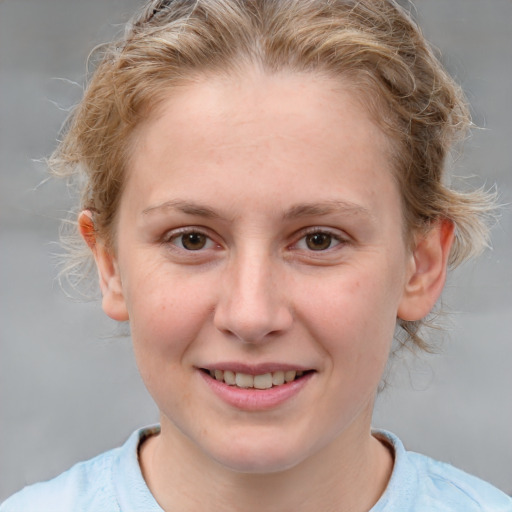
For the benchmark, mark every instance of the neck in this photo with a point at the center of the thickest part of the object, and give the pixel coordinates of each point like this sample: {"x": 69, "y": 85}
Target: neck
{"x": 348, "y": 475}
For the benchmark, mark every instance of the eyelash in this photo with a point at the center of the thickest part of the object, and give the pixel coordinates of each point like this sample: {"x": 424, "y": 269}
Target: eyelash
{"x": 177, "y": 235}
{"x": 335, "y": 239}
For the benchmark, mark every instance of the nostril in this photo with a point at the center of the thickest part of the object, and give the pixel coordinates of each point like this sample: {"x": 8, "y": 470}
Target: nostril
{"x": 259, "y": 326}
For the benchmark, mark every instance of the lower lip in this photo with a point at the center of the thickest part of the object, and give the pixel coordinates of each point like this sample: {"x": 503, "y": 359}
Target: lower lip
{"x": 251, "y": 399}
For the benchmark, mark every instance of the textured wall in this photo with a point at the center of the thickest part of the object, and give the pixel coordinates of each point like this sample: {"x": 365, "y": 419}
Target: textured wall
{"x": 69, "y": 389}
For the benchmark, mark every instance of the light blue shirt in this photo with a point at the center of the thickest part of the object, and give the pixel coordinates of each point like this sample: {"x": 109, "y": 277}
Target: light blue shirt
{"x": 113, "y": 482}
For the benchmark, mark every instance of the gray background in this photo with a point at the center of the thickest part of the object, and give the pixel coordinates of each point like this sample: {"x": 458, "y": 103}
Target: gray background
{"x": 69, "y": 388}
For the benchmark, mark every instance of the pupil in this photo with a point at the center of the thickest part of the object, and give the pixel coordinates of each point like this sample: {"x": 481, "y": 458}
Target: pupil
{"x": 318, "y": 241}
{"x": 194, "y": 241}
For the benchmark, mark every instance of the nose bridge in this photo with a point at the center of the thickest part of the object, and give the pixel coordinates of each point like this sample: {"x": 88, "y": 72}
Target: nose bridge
{"x": 252, "y": 304}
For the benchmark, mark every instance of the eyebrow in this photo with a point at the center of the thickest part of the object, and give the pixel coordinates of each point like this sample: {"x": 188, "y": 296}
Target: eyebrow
{"x": 326, "y": 208}
{"x": 184, "y": 207}
{"x": 295, "y": 212}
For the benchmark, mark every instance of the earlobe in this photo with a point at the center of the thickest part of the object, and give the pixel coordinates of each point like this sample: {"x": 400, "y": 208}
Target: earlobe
{"x": 427, "y": 277}
{"x": 113, "y": 302}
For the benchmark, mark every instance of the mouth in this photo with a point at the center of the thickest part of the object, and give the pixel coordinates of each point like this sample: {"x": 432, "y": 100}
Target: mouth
{"x": 261, "y": 381}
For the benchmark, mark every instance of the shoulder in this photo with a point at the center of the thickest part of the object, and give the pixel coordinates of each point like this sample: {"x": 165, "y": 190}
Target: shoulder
{"x": 455, "y": 487}
{"x": 101, "y": 483}
{"x": 419, "y": 483}
{"x": 86, "y": 486}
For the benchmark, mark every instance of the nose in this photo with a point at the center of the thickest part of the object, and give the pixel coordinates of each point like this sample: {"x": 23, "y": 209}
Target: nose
{"x": 253, "y": 306}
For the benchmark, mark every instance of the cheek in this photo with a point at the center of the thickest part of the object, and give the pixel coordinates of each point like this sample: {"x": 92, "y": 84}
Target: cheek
{"x": 358, "y": 304}
{"x": 166, "y": 316}
{"x": 354, "y": 318}
{"x": 164, "y": 329}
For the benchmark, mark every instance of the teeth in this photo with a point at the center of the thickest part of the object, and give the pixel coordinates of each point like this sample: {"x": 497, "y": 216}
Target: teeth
{"x": 278, "y": 378}
{"x": 289, "y": 375}
{"x": 229, "y": 378}
{"x": 264, "y": 381}
{"x": 243, "y": 380}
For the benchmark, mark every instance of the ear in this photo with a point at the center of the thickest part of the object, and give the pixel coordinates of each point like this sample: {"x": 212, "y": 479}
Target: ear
{"x": 110, "y": 280}
{"x": 427, "y": 277}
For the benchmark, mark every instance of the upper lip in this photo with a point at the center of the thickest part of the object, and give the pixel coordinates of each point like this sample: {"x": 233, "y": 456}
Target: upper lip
{"x": 255, "y": 369}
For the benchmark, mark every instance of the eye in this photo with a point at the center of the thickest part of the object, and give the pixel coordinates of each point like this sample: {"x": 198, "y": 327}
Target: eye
{"x": 319, "y": 241}
{"x": 191, "y": 241}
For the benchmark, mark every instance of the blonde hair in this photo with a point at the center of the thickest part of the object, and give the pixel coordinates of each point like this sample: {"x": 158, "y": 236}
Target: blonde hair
{"x": 373, "y": 45}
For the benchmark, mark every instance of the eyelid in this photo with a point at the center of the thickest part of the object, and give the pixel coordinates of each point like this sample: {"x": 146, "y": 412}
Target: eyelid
{"x": 341, "y": 237}
{"x": 173, "y": 234}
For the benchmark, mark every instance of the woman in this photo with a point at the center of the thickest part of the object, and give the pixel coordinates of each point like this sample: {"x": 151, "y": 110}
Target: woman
{"x": 264, "y": 200}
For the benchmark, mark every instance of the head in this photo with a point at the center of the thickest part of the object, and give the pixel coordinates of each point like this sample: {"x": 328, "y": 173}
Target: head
{"x": 373, "y": 48}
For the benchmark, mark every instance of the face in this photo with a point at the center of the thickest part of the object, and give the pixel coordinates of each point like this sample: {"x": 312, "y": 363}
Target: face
{"x": 260, "y": 239}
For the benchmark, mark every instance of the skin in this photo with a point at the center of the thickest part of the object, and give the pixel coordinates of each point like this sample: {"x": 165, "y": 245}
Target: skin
{"x": 259, "y": 165}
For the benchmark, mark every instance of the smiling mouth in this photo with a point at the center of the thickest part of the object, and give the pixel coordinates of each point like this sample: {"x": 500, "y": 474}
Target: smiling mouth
{"x": 262, "y": 381}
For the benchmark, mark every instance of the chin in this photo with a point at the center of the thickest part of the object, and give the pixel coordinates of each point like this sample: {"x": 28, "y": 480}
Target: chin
{"x": 257, "y": 463}
{"x": 255, "y": 456}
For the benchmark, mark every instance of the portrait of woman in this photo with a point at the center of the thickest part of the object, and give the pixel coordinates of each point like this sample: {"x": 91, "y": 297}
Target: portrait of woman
{"x": 271, "y": 213}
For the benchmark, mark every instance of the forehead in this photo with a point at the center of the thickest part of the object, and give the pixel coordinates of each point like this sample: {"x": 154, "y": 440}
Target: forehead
{"x": 296, "y": 133}
{"x": 312, "y": 101}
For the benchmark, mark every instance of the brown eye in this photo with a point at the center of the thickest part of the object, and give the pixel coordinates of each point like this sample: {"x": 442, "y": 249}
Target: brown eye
{"x": 318, "y": 241}
{"x": 193, "y": 241}
{"x": 189, "y": 239}
{"x": 190, "y": 242}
